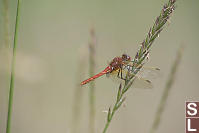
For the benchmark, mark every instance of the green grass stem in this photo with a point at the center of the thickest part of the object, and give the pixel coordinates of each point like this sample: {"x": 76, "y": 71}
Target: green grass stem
{"x": 12, "y": 80}
{"x": 78, "y": 94}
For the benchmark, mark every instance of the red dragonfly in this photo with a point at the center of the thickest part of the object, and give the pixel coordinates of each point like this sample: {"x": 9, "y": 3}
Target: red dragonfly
{"x": 120, "y": 66}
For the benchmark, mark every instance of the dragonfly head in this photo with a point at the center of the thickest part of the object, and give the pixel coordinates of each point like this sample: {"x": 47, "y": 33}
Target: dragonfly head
{"x": 125, "y": 57}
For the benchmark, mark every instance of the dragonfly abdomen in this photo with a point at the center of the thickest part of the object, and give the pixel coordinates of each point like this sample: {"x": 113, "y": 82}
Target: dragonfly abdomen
{"x": 106, "y": 70}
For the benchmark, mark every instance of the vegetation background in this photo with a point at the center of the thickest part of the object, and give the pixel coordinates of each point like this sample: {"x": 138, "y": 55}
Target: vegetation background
{"x": 53, "y": 35}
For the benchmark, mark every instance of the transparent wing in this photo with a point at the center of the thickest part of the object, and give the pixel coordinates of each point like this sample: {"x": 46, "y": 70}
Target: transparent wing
{"x": 144, "y": 77}
{"x": 149, "y": 73}
{"x": 139, "y": 82}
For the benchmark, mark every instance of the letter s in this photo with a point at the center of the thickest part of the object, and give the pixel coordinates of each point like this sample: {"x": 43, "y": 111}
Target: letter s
{"x": 192, "y": 108}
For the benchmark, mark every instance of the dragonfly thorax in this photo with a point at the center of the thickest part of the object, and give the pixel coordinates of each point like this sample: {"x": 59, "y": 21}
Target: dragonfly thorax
{"x": 119, "y": 62}
{"x": 116, "y": 63}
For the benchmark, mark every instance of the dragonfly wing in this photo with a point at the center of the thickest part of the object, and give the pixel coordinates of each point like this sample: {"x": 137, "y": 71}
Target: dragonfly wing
{"x": 141, "y": 83}
{"x": 149, "y": 73}
{"x": 141, "y": 78}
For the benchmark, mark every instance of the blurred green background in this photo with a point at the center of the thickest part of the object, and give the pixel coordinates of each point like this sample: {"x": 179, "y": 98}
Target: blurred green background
{"x": 54, "y": 36}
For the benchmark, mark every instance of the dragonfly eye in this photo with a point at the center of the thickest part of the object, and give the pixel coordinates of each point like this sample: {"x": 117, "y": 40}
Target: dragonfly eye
{"x": 126, "y": 57}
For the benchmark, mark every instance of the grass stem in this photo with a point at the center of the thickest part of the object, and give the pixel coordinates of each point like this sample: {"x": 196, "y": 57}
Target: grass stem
{"x": 78, "y": 94}
{"x": 12, "y": 80}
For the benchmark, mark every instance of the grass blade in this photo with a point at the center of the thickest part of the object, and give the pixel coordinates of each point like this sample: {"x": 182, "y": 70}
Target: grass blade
{"x": 12, "y": 80}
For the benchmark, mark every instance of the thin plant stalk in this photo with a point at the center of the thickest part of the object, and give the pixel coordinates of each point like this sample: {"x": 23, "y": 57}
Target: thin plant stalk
{"x": 12, "y": 80}
{"x": 167, "y": 89}
{"x": 92, "y": 63}
{"x": 78, "y": 91}
{"x": 141, "y": 58}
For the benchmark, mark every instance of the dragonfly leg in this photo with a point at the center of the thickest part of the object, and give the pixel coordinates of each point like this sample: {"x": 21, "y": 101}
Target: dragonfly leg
{"x": 118, "y": 74}
{"x": 122, "y": 76}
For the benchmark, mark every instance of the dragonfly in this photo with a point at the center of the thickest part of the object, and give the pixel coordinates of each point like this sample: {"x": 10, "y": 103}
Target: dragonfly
{"x": 120, "y": 67}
